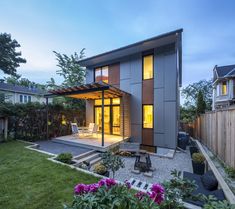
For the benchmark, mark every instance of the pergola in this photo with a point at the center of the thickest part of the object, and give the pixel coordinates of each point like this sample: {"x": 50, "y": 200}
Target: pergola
{"x": 92, "y": 91}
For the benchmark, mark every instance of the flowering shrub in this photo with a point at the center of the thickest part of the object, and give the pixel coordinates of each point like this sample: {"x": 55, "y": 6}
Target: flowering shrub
{"x": 107, "y": 193}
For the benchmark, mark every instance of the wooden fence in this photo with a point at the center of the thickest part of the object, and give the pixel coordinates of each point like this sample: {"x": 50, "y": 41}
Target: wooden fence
{"x": 216, "y": 130}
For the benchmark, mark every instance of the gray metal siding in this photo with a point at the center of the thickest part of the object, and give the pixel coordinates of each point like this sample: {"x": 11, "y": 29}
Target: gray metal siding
{"x": 131, "y": 82}
{"x": 89, "y": 75}
{"x": 165, "y": 97}
{"x": 165, "y": 101}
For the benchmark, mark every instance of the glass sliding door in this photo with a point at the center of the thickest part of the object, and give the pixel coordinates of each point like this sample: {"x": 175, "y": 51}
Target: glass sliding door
{"x": 98, "y": 118}
{"x": 111, "y": 115}
{"x": 116, "y": 120}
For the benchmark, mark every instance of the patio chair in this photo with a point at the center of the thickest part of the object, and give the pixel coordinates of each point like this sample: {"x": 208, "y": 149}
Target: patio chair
{"x": 92, "y": 129}
{"x": 84, "y": 131}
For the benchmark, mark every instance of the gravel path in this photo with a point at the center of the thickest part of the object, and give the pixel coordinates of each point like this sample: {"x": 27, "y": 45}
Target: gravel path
{"x": 164, "y": 166}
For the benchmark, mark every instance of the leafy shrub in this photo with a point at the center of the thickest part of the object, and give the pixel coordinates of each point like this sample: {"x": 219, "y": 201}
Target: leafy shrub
{"x": 230, "y": 171}
{"x": 213, "y": 203}
{"x": 100, "y": 168}
{"x": 112, "y": 162}
{"x": 108, "y": 194}
{"x": 198, "y": 158}
{"x": 65, "y": 158}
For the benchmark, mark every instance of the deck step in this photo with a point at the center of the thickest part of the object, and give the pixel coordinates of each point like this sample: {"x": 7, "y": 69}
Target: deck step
{"x": 83, "y": 155}
{"x": 96, "y": 160}
{"x": 89, "y": 158}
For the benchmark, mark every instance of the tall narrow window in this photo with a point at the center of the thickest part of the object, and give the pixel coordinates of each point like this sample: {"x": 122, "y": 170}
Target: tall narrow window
{"x": 102, "y": 74}
{"x": 147, "y": 116}
{"x": 147, "y": 67}
{"x": 224, "y": 88}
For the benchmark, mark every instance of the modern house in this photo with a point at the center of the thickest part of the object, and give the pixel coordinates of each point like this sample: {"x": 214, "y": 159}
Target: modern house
{"x": 133, "y": 91}
{"x": 21, "y": 94}
{"x": 223, "y": 87}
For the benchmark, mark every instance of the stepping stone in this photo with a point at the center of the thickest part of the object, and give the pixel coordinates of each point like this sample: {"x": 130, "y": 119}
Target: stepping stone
{"x": 136, "y": 183}
{"x": 148, "y": 174}
{"x": 135, "y": 171}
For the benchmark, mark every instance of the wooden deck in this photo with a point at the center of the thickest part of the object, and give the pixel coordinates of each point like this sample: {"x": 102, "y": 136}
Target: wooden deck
{"x": 91, "y": 142}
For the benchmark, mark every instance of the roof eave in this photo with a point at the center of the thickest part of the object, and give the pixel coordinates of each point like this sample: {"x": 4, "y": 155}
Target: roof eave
{"x": 117, "y": 53}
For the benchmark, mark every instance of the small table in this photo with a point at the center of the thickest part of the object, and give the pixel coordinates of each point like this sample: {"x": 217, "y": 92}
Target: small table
{"x": 142, "y": 165}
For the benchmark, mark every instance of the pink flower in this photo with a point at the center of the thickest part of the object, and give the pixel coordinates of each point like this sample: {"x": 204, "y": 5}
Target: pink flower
{"x": 101, "y": 183}
{"x": 157, "y": 193}
{"x": 128, "y": 184}
{"x": 110, "y": 182}
{"x": 158, "y": 188}
{"x": 140, "y": 195}
{"x": 93, "y": 187}
{"x": 80, "y": 189}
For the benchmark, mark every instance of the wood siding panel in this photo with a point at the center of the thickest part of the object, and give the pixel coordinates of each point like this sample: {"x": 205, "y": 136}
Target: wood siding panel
{"x": 114, "y": 75}
{"x": 147, "y": 136}
{"x": 147, "y": 91}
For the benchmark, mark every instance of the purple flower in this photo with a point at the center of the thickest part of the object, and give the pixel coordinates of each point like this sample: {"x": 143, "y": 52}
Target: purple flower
{"x": 93, "y": 187}
{"x": 80, "y": 189}
{"x": 110, "y": 182}
{"x": 140, "y": 195}
{"x": 101, "y": 182}
{"x": 157, "y": 193}
{"x": 128, "y": 184}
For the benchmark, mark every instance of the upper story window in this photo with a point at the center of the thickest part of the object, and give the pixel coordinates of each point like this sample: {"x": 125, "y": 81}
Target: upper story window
{"x": 147, "y": 67}
{"x": 102, "y": 74}
{"x": 224, "y": 88}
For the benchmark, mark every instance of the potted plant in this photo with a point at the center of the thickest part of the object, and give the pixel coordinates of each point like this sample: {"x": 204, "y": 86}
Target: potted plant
{"x": 112, "y": 162}
{"x": 198, "y": 161}
{"x": 100, "y": 169}
{"x": 193, "y": 149}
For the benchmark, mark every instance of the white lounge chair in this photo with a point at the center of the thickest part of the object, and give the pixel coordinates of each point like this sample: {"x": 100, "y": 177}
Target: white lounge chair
{"x": 84, "y": 131}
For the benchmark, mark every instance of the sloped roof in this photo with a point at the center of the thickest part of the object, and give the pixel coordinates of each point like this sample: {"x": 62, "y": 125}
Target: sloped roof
{"x": 166, "y": 39}
{"x": 222, "y": 72}
{"x": 20, "y": 89}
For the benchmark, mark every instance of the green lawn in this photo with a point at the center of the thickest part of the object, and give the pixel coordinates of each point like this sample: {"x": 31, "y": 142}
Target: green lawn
{"x": 29, "y": 181}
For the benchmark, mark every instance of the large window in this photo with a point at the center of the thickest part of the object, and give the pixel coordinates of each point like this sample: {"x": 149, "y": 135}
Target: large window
{"x": 25, "y": 98}
{"x": 147, "y": 67}
{"x": 102, "y": 74}
{"x": 147, "y": 116}
{"x": 224, "y": 88}
{"x": 111, "y": 115}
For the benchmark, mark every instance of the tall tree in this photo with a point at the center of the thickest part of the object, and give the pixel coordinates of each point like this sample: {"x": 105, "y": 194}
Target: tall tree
{"x": 10, "y": 59}
{"x": 201, "y": 104}
{"x": 191, "y": 91}
{"x": 71, "y": 71}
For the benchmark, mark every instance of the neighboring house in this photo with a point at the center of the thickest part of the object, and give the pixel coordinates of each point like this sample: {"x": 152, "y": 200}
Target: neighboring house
{"x": 223, "y": 87}
{"x": 20, "y": 94}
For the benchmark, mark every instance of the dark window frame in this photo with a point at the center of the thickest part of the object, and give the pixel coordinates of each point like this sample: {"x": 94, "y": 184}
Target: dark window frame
{"x": 143, "y": 116}
{"x": 111, "y": 105}
{"x": 145, "y": 55}
{"x": 101, "y": 70}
